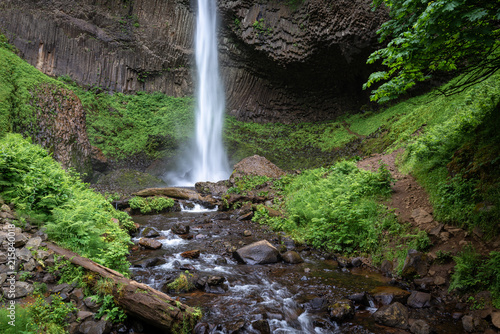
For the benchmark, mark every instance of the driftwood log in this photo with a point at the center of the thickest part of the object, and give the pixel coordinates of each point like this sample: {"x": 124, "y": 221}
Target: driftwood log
{"x": 140, "y": 300}
{"x": 178, "y": 193}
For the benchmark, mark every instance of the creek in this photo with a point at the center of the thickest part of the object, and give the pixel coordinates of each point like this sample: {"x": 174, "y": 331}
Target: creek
{"x": 292, "y": 298}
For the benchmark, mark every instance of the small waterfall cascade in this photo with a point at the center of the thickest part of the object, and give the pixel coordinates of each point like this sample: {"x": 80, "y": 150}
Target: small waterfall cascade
{"x": 207, "y": 160}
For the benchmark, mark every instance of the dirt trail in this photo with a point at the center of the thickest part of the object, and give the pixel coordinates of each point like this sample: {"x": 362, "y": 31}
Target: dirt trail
{"x": 411, "y": 203}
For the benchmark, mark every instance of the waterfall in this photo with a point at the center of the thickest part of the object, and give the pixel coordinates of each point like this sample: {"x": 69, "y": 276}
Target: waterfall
{"x": 207, "y": 160}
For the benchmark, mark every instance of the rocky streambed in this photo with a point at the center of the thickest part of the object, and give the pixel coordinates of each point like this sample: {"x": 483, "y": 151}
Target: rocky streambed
{"x": 248, "y": 279}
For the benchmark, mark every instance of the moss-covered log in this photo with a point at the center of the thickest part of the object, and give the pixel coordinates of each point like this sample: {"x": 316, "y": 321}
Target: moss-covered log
{"x": 140, "y": 300}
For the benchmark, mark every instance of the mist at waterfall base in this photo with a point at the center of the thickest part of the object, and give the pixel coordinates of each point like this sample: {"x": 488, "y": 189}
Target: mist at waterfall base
{"x": 206, "y": 159}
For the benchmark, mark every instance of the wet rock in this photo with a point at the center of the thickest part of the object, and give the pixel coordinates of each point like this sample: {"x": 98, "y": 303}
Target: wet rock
{"x": 95, "y": 327}
{"x": 356, "y": 262}
{"x": 187, "y": 266}
{"x": 419, "y": 299}
{"x": 261, "y": 326}
{"x": 201, "y": 328}
{"x": 236, "y": 327}
{"x": 424, "y": 283}
{"x": 386, "y": 295}
{"x": 318, "y": 304}
{"x": 341, "y": 310}
{"x": 246, "y": 216}
{"x": 439, "y": 280}
{"x": 192, "y": 254}
{"x": 247, "y": 233}
{"x": 343, "y": 262}
{"x": 415, "y": 264}
{"x": 200, "y": 236}
{"x": 151, "y": 262}
{"x": 150, "y": 243}
{"x": 495, "y": 319}
{"x": 256, "y": 165}
{"x": 292, "y": 257}
{"x": 386, "y": 267}
{"x": 260, "y": 252}
{"x": 468, "y": 323}
{"x": 394, "y": 315}
{"x": 359, "y": 298}
{"x": 220, "y": 261}
{"x": 215, "y": 280}
{"x": 150, "y": 232}
{"x": 420, "y": 327}
{"x": 179, "y": 228}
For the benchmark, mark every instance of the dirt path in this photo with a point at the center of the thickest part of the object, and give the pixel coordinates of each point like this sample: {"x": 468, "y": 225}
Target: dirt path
{"x": 411, "y": 203}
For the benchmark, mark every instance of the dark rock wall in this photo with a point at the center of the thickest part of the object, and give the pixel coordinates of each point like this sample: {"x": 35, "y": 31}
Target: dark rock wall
{"x": 279, "y": 63}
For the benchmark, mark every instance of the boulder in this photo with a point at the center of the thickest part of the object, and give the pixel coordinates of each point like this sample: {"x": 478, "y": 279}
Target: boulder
{"x": 150, "y": 243}
{"x": 415, "y": 264}
{"x": 419, "y": 299}
{"x": 495, "y": 319}
{"x": 150, "y": 232}
{"x": 192, "y": 254}
{"x": 179, "y": 228}
{"x": 386, "y": 267}
{"x": 394, "y": 315}
{"x": 256, "y": 165}
{"x": 22, "y": 289}
{"x": 95, "y": 327}
{"x": 341, "y": 310}
{"x": 420, "y": 327}
{"x": 261, "y": 326}
{"x": 260, "y": 252}
{"x": 292, "y": 257}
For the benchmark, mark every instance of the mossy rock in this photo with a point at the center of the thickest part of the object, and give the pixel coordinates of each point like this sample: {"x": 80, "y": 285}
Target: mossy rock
{"x": 128, "y": 181}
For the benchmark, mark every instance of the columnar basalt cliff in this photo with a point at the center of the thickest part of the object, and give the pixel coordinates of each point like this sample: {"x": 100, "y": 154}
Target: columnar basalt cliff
{"x": 280, "y": 62}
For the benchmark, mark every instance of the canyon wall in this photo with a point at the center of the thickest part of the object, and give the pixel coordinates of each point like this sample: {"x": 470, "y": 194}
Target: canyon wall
{"x": 280, "y": 61}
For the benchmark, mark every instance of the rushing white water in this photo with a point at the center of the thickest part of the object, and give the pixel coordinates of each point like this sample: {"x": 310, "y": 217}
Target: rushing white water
{"x": 207, "y": 160}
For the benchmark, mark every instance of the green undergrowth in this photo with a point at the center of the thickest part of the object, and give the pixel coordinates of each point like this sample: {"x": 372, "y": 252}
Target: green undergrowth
{"x": 338, "y": 209}
{"x": 153, "y": 204}
{"x": 290, "y": 146}
{"x": 74, "y": 216}
{"x": 125, "y": 125}
{"x": 474, "y": 273}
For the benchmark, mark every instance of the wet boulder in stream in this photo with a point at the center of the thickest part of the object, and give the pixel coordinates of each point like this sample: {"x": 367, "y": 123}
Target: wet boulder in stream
{"x": 179, "y": 228}
{"x": 260, "y": 252}
{"x": 150, "y": 243}
{"x": 292, "y": 257}
{"x": 150, "y": 232}
{"x": 394, "y": 315}
{"x": 341, "y": 310}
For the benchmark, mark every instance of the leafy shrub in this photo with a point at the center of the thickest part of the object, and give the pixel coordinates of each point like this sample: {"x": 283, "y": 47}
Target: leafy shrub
{"x": 151, "y": 204}
{"x": 75, "y": 216}
{"x": 181, "y": 283}
{"x": 113, "y": 312}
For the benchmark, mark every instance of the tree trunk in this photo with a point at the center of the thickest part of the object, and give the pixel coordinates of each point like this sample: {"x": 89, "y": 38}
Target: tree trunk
{"x": 140, "y": 300}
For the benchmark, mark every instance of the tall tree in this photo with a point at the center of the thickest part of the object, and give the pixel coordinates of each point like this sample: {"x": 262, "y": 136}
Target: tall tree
{"x": 425, "y": 37}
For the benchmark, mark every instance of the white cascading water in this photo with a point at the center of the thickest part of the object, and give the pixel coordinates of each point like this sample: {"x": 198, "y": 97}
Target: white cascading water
{"x": 207, "y": 159}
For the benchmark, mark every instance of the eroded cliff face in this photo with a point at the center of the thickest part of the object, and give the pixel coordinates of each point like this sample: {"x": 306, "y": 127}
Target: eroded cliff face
{"x": 279, "y": 63}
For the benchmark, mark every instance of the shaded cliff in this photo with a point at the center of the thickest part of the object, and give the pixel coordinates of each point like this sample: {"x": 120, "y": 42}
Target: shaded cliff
{"x": 279, "y": 63}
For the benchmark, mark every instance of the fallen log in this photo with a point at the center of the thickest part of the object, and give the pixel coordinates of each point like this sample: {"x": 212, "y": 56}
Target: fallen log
{"x": 140, "y": 300}
{"x": 178, "y": 193}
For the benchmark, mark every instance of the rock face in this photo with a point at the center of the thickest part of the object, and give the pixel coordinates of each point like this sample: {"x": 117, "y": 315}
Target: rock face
{"x": 276, "y": 59}
{"x": 260, "y": 252}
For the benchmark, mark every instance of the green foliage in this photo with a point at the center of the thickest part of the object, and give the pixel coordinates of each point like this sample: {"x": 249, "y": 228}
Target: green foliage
{"x": 54, "y": 312}
{"x": 473, "y": 273}
{"x": 109, "y": 309}
{"x": 336, "y": 208}
{"x": 153, "y": 204}
{"x": 24, "y": 322}
{"x": 429, "y": 37}
{"x": 75, "y": 216}
{"x": 116, "y": 123}
{"x": 247, "y": 183}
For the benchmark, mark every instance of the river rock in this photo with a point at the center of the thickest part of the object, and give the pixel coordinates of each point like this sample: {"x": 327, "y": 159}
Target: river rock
{"x": 179, "y": 228}
{"x": 261, "y": 326}
{"x": 318, "y": 304}
{"x": 386, "y": 267}
{"x": 150, "y": 243}
{"x": 256, "y": 165}
{"x": 394, "y": 315}
{"x": 420, "y": 327}
{"x": 419, "y": 299}
{"x": 341, "y": 310}
{"x": 192, "y": 254}
{"x": 415, "y": 264}
{"x": 292, "y": 257}
{"x": 95, "y": 327}
{"x": 468, "y": 323}
{"x": 247, "y": 233}
{"x": 201, "y": 328}
{"x": 150, "y": 232}
{"x": 386, "y": 295}
{"x": 495, "y": 319}
{"x": 150, "y": 262}
{"x": 260, "y": 252}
